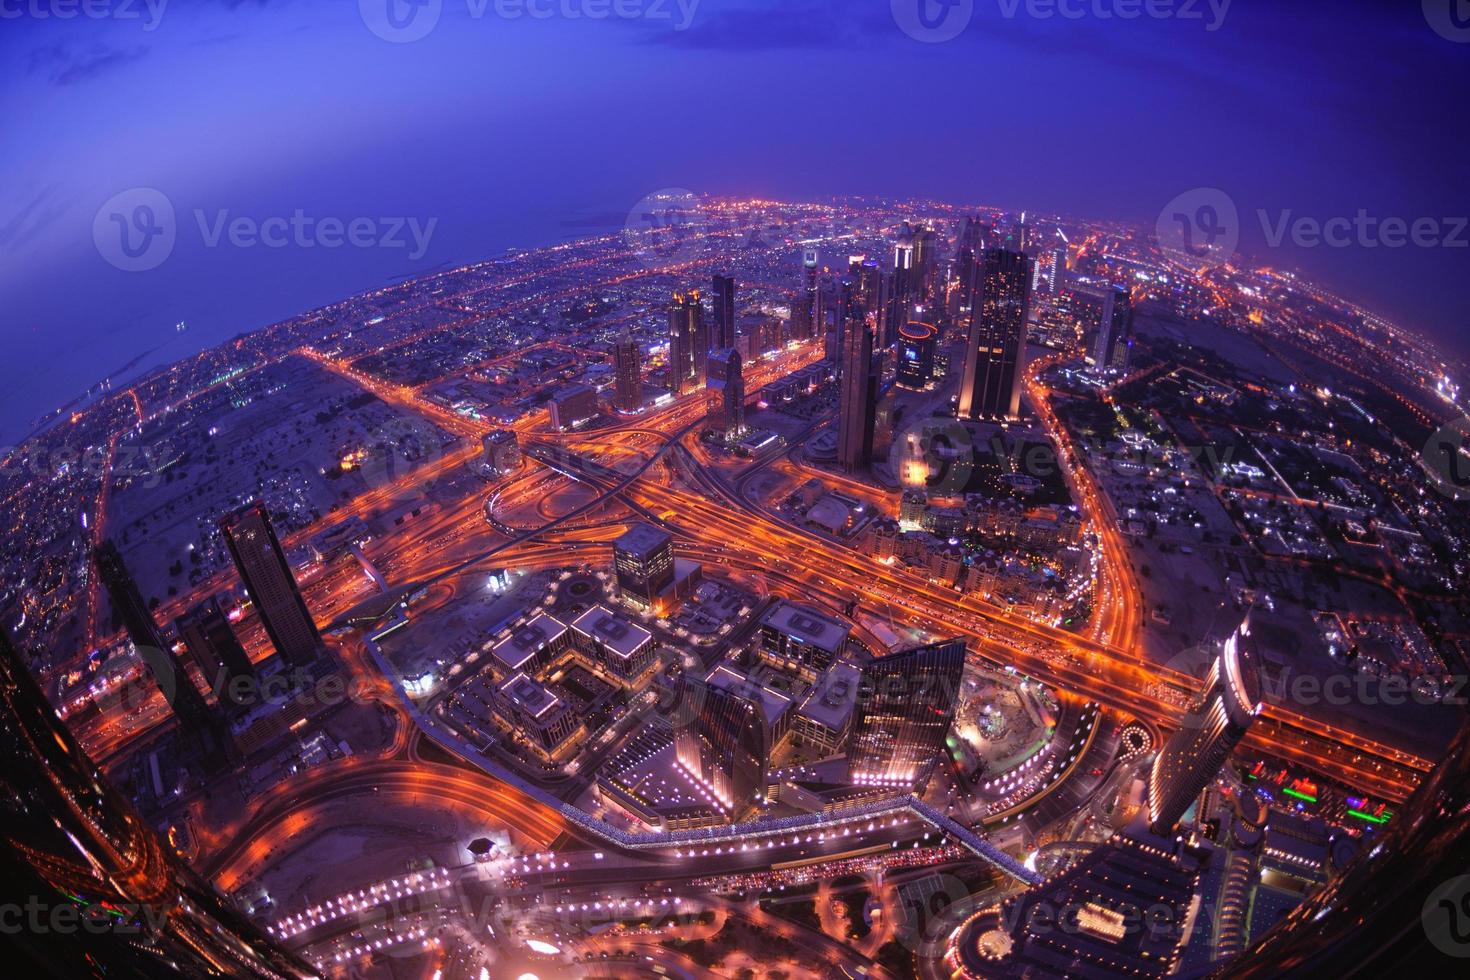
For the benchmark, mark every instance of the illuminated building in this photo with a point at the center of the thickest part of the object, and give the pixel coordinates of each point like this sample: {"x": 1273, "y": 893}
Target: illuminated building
{"x": 916, "y": 345}
{"x": 1114, "y": 331}
{"x": 217, "y": 651}
{"x": 572, "y": 406}
{"x": 799, "y": 640}
{"x": 858, "y": 403}
{"x": 723, "y": 334}
{"x": 996, "y": 347}
{"x": 74, "y": 845}
{"x": 532, "y": 646}
{"x": 1058, "y": 268}
{"x": 197, "y": 720}
{"x": 627, "y": 374}
{"x": 272, "y": 588}
{"x": 643, "y": 558}
{"x": 726, "y": 389}
{"x": 688, "y": 343}
{"x": 724, "y": 747}
{"x": 502, "y": 452}
{"x": 1208, "y": 733}
{"x": 905, "y": 704}
{"x": 624, "y": 648}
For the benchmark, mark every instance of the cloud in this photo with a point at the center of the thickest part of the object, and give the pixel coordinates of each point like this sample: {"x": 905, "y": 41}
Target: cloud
{"x": 33, "y": 217}
{"x": 64, "y": 65}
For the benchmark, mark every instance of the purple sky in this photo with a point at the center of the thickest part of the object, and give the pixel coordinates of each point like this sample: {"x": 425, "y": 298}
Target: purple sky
{"x": 518, "y": 132}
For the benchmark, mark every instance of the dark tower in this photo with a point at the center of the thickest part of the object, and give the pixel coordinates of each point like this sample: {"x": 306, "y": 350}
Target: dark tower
{"x": 995, "y": 351}
{"x": 267, "y": 576}
{"x": 906, "y": 702}
{"x": 723, "y": 334}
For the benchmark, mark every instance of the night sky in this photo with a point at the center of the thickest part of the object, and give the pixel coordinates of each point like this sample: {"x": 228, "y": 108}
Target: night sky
{"x": 520, "y": 132}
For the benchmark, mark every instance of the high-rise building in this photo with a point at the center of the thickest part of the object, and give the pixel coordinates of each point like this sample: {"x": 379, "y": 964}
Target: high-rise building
{"x": 627, "y": 374}
{"x": 724, "y": 747}
{"x": 1059, "y": 268}
{"x": 643, "y": 558}
{"x": 723, "y": 334}
{"x": 814, "y": 324}
{"x": 197, "y": 720}
{"x": 726, "y": 389}
{"x": 572, "y": 406}
{"x": 1114, "y": 332}
{"x": 502, "y": 451}
{"x": 218, "y": 653}
{"x": 995, "y": 351}
{"x": 1211, "y": 729}
{"x": 858, "y": 399}
{"x": 688, "y": 343}
{"x": 917, "y": 343}
{"x": 905, "y": 704}
{"x": 72, "y": 841}
{"x": 272, "y": 588}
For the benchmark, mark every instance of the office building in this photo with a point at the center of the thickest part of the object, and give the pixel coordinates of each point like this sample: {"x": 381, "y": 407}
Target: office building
{"x": 1114, "y": 341}
{"x": 688, "y": 343}
{"x": 726, "y": 389}
{"x": 627, "y": 374}
{"x": 905, "y": 704}
{"x": 724, "y": 748}
{"x": 859, "y": 377}
{"x": 139, "y": 912}
{"x": 1211, "y": 729}
{"x": 200, "y": 724}
{"x": 222, "y": 661}
{"x": 917, "y": 343}
{"x": 808, "y": 317}
{"x": 272, "y": 588}
{"x": 995, "y": 350}
{"x": 800, "y": 640}
{"x": 572, "y": 406}
{"x": 723, "y": 333}
{"x": 643, "y": 558}
{"x": 502, "y": 452}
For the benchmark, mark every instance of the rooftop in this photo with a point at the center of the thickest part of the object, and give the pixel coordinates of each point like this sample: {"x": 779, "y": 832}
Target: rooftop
{"x": 517, "y": 649}
{"x": 642, "y": 539}
{"x": 620, "y": 636}
{"x": 807, "y": 626}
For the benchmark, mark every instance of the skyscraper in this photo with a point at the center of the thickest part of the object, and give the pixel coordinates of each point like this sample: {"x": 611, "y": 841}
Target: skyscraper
{"x": 71, "y": 840}
{"x": 217, "y": 652}
{"x": 723, "y": 334}
{"x": 1208, "y": 733}
{"x": 995, "y": 351}
{"x": 628, "y": 379}
{"x": 267, "y": 576}
{"x": 688, "y": 343}
{"x": 859, "y": 383}
{"x": 1114, "y": 332}
{"x": 917, "y": 343}
{"x": 811, "y": 263}
{"x": 196, "y": 719}
{"x": 1059, "y": 267}
{"x": 726, "y": 392}
{"x": 724, "y": 747}
{"x": 906, "y": 702}
{"x": 643, "y": 559}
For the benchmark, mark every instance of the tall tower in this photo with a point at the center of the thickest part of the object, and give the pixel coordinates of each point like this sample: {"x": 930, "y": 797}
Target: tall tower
{"x": 727, "y": 391}
{"x": 688, "y": 343}
{"x": 267, "y": 576}
{"x": 217, "y": 651}
{"x": 995, "y": 351}
{"x": 1208, "y": 733}
{"x": 723, "y": 334}
{"x": 196, "y": 719}
{"x": 905, "y": 704}
{"x": 858, "y": 399}
{"x": 74, "y": 841}
{"x": 724, "y": 748}
{"x": 1114, "y": 331}
{"x": 628, "y": 377}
